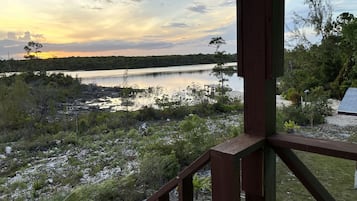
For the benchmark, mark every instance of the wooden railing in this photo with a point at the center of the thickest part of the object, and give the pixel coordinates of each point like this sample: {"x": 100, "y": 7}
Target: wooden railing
{"x": 224, "y": 160}
{"x": 247, "y": 162}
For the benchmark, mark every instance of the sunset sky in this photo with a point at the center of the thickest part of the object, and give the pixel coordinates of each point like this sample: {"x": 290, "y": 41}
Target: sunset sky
{"x": 125, "y": 27}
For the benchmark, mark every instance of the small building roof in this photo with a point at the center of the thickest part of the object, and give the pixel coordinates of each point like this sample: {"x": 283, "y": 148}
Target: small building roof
{"x": 348, "y": 104}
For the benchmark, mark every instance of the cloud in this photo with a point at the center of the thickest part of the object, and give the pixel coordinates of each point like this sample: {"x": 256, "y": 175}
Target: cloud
{"x": 11, "y": 36}
{"x": 11, "y": 47}
{"x": 37, "y": 37}
{"x": 199, "y": 8}
{"x": 25, "y": 36}
{"x": 176, "y": 25}
{"x": 228, "y": 3}
{"x": 104, "y": 1}
{"x": 15, "y": 47}
{"x": 95, "y": 8}
{"x": 106, "y": 45}
{"x": 97, "y": 4}
{"x": 228, "y": 31}
{"x": 340, "y": 6}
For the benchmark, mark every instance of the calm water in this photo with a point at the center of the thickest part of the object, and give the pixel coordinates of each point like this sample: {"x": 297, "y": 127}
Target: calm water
{"x": 169, "y": 78}
{"x": 172, "y": 81}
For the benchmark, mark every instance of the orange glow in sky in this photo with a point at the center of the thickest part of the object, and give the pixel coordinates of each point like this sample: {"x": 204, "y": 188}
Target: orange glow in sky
{"x": 112, "y": 27}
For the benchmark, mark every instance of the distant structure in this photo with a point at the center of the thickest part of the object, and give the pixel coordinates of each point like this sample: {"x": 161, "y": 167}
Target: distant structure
{"x": 348, "y": 104}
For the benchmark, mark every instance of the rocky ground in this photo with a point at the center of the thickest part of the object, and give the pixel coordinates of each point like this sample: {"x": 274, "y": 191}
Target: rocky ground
{"x": 62, "y": 167}
{"x": 69, "y": 163}
{"x": 337, "y": 127}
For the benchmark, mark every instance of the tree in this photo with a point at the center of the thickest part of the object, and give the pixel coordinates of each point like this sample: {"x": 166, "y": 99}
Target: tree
{"x": 219, "y": 69}
{"x": 342, "y": 20}
{"x": 32, "y": 50}
{"x": 348, "y": 72}
{"x": 319, "y": 17}
{"x": 330, "y": 64}
{"x": 217, "y": 42}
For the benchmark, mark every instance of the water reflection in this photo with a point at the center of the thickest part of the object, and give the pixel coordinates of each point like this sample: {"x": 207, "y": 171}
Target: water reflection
{"x": 172, "y": 81}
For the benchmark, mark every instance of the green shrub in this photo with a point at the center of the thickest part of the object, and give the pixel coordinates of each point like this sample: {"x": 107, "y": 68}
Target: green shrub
{"x": 280, "y": 119}
{"x": 39, "y": 183}
{"x": 72, "y": 178}
{"x": 290, "y": 126}
{"x": 234, "y": 131}
{"x": 156, "y": 170}
{"x": 125, "y": 188}
{"x": 39, "y": 143}
{"x": 147, "y": 113}
{"x": 296, "y": 114}
{"x": 95, "y": 130}
{"x": 293, "y": 95}
{"x": 18, "y": 185}
{"x": 193, "y": 122}
{"x": 353, "y": 138}
{"x": 83, "y": 125}
{"x": 307, "y": 114}
{"x": 201, "y": 185}
{"x": 73, "y": 161}
{"x": 70, "y": 138}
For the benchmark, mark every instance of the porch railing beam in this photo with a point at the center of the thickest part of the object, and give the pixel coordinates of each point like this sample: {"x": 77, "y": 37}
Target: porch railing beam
{"x": 320, "y": 146}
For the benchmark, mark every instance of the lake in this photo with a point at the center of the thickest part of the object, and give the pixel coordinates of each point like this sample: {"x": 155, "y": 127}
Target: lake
{"x": 172, "y": 81}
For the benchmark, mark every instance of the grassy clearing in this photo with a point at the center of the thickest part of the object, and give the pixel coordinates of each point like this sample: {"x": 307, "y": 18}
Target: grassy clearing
{"x": 337, "y": 175}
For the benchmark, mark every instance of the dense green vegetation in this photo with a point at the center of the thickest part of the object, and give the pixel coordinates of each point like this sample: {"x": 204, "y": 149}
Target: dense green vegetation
{"x": 105, "y": 63}
{"x": 33, "y": 101}
{"x": 330, "y": 64}
{"x": 29, "y": 102}
{"x": 316, "y": 72}
{"x": 159, "y": 151}
{"x": 46, "y": 136}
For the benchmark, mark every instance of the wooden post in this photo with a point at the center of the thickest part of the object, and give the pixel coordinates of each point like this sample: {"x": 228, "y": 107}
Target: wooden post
{"x": 186, "y": 189}
{"x": 260, "y": 50}
{"x": 165, "y": 197}
{"x": 225, "y": 164}
{"x": 225, "y": 177}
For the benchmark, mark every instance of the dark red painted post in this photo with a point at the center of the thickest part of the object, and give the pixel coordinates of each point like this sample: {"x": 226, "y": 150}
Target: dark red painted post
{"x": 186, "y": 189}
{"x": 260, "y": 50}
{"x": 165, "y": 197}
{"x": 225, "y": 176}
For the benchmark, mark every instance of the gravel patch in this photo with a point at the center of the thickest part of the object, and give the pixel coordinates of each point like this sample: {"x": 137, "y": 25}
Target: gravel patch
{"x": 340, "y": 119}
